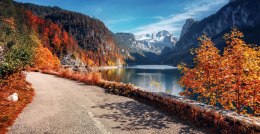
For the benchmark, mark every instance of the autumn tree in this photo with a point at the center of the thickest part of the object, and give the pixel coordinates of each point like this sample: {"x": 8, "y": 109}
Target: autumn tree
{"x": 231, "y": 80}
{"x": 241, "y": 69}
{"x": 43, "y": 57}
{"x": 202, "y": 79}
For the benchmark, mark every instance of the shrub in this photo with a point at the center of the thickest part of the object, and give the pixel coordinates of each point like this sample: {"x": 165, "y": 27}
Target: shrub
{"x": 18, "y": 52}
{"x": 15, "y": 59}
{"x": 96, "y": 77}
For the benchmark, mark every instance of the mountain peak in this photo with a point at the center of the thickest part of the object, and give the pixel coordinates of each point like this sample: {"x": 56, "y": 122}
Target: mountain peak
{"x": 148, "y": 36}
{"x": 163, "y": 33}
{"x": 189, "y": 22}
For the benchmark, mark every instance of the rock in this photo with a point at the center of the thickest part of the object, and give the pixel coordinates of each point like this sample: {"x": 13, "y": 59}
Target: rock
{"x": 13, "y": 97}
{"x": 71, "y": 60}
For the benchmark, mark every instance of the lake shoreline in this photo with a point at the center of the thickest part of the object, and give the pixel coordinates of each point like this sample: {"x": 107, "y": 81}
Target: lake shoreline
{"x": 156, "y": 78}
{"x": 104, "y": 68}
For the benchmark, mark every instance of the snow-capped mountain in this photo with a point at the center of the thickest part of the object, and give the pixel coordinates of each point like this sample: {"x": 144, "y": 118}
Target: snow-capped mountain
{"x": 145, "y": 48}
{"x": 155, "y": 42}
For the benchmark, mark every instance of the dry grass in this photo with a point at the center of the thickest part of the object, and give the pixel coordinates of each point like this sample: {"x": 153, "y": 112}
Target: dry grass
{"x": 9, "y": 110}
{"x": 88, "y": 78}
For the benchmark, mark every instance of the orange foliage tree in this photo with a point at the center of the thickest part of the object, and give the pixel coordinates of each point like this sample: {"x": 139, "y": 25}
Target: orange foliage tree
{"x": 231, "y": 80}
{"x": 201, "y": 79}
{"x": 44, "y": 59}
{"x": 56, "y": 41}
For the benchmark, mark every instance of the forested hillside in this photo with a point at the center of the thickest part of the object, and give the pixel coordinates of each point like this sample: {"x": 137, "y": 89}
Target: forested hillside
{"x": 91, "y": 34}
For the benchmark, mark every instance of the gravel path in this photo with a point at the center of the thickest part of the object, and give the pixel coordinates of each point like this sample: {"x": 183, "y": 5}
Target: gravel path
{"x": 63, "y": 106}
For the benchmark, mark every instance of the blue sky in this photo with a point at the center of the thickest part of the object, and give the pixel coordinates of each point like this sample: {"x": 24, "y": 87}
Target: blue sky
{"x": 140, "y": 16}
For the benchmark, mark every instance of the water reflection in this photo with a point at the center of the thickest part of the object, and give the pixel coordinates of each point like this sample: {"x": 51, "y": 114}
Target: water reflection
{"x": 152, "y": 78}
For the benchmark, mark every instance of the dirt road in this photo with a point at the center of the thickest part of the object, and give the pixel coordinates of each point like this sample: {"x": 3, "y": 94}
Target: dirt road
{"x": 63, "y": 106}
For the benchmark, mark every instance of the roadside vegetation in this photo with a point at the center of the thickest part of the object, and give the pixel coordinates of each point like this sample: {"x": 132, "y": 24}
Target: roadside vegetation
{"x": 9, "y": 110}
{"x": 16, "y": 54}
{"x": 20, "y": 49}
{"x": 92, "y": 78}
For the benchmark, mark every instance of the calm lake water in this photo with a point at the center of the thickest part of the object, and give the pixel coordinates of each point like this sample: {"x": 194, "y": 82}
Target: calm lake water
{"x": 153, "y": 78}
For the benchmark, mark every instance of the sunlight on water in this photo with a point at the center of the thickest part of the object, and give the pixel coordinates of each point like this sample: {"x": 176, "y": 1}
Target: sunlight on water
{"x": 153, "y": 78}
{"x": 158, "y": 67}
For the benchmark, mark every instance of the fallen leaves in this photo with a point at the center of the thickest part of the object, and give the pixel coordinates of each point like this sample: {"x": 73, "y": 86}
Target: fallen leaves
{"x": 9, "y": 110}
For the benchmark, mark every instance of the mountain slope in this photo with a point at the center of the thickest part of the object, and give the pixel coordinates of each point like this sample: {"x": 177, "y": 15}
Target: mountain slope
{"x": 243, "y": 14}
{"x": 90, "y": 33}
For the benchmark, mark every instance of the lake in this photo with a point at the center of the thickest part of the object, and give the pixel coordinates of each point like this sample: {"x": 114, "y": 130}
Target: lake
{"x": 153, "y": 78}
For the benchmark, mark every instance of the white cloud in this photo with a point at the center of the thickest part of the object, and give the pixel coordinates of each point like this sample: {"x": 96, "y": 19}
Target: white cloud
{"x": 158, "y": 17}
{"x": 115, "y": 21}
{"x": 174, "y": 22}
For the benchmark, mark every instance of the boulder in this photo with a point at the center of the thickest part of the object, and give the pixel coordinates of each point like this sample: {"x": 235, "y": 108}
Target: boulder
{"x": 13, "y": 97}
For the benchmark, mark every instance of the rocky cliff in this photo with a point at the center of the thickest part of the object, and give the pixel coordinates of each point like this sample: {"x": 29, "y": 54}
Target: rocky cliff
{"x": 243, "y": 14}
{"x": 187, "y": 26}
